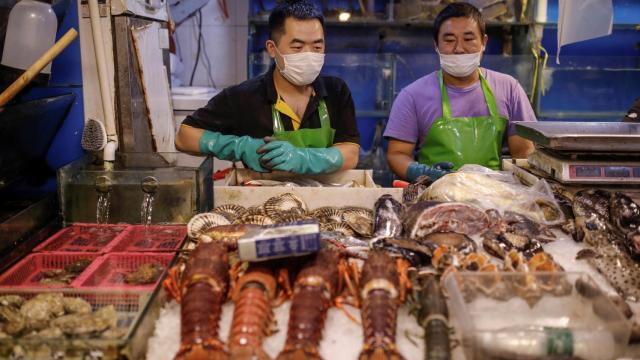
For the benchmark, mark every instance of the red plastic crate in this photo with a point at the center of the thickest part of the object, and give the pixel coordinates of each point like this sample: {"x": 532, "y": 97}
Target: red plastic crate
{"x": 28, "y": 272}
{"x": 90, "y": 238}
{"x": 111, "y": 269}
{"x": 153, "y": 238}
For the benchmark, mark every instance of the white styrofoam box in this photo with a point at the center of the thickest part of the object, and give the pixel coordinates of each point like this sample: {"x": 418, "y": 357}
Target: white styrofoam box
{"x": 315, "y": 197}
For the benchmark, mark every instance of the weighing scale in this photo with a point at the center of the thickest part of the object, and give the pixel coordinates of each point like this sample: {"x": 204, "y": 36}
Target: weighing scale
{"x": 585, "y": 152}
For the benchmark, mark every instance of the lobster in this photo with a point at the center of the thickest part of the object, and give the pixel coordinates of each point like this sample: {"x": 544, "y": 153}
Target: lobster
{"x": 253, "y": 314}
{"x": 433, "y": 317}
{"x": 314, "y": 291}
{"x": 380, "y": 293}
{"x": 201, "y": 291}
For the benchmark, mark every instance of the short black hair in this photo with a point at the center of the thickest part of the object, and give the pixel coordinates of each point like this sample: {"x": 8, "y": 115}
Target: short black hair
{"x": 458, "y": 9}
{"x": 297, "y": 9}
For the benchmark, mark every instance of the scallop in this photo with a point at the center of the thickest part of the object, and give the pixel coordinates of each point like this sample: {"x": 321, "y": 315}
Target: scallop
{"x": 357, "y": 210}
{"x": 202, "y": 223}
{"x": 327, "y": 214}
{"x": 338, "y": 227}
{"x": 284, "y": 202}
{"x": 254, "y": 220}
{"x": 290, "y": 216}
{"x": 254, "y": 210}
{"x": 230, "y": 211}
{"x": 362, "y": 225}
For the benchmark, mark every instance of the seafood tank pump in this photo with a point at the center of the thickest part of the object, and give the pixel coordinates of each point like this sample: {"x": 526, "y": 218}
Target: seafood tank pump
{"x": 176, "y": 186}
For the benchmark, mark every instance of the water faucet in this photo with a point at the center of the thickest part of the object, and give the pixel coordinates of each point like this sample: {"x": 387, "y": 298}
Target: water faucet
{"x": 103, "y": 184}
{"x": 149, "y": 185}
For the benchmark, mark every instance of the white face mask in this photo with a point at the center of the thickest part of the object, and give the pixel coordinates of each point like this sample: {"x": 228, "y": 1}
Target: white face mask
{"x": 301, "y": 68}
{"x": 460, "y": 65}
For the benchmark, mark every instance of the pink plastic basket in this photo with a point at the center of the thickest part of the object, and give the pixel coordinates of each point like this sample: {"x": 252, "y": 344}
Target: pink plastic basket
{"x": 89, "y": 238}
{"x": 111, "y": 270}
{"x": 153, "y": 238}
{"x": 28, "y": 272}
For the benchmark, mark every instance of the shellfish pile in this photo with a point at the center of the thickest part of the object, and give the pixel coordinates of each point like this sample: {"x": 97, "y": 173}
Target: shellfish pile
{"x": 286, "y": 208}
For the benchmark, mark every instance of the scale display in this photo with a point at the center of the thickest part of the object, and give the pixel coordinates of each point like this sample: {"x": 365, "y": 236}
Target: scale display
{"x": 585, "y": 171}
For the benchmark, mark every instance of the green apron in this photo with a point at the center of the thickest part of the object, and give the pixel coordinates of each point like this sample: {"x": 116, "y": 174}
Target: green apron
{"x": 465, "y": 140}
{"x": 321, "y": 137}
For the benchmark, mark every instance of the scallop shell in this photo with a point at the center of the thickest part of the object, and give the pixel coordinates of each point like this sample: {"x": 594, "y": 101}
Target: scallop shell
{"x": 290, "y": 216}
{"x": 357, "y": 210}
{"x": 254, "y": 210}
{"x": 230, "y": 211}
{"x": 327, "y": 214}
{"x": 362, "y": 225}
{"x": 339, "y": 227}
{"x": 201, "y": 223}
{"x": 284, "y": 202}
{"x": 254, "y": 219}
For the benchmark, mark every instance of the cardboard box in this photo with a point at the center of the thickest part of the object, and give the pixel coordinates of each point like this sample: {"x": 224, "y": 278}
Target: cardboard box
{"x": 233, "y": 193}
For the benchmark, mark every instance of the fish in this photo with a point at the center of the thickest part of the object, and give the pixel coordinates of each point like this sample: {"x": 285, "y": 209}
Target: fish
{"x": 388, "y": 217}
{"x": 426, "y": 217}
{"x": 607, "y": 250}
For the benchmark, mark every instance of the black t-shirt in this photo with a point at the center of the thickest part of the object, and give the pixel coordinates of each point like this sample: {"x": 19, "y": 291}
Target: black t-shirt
{"x": 633, "y": 115}
{"x": 245, "y": 109}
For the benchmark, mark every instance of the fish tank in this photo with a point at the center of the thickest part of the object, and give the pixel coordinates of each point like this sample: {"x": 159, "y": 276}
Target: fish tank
{"x": 534, "y": 315}
{"x": 145, "y": 188}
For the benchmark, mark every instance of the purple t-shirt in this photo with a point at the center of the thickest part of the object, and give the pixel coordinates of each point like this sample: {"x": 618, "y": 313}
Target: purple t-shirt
{"x": 420, "y": 104}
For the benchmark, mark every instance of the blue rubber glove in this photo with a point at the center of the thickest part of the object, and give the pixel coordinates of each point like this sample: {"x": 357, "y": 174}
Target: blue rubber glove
{"x": 416, "y": 169}
{"x": 233, "y": 148}
{"x": 281, "y": 155}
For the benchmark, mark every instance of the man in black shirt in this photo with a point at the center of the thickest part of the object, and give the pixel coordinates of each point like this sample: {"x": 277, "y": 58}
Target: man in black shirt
{"x": 633, "y": 115}
{"x": 307, "y": 121}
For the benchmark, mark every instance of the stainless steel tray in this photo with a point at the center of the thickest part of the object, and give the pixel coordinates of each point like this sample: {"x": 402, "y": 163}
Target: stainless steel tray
{"x": 582, "y": 136}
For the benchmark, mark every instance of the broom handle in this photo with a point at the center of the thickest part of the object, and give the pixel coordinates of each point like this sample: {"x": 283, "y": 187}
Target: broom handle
{"x": 37, "y": 66}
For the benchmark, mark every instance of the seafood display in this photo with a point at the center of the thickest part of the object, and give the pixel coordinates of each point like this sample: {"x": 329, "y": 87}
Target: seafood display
{"x": 201, "y": 290}
{"x": 66, "y": 275}
{"x": 314, "y": 291}
{"x": 379, "y": 294}
{"x": 146, "y": 273}
{"x": 610, "y": 249}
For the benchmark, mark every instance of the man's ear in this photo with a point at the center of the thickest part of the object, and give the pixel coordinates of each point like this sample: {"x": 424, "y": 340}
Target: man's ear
{"x": 270, "y": 46}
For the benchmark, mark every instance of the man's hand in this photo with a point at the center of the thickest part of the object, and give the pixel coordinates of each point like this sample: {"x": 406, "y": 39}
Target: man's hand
{"x": 281, "y": 155}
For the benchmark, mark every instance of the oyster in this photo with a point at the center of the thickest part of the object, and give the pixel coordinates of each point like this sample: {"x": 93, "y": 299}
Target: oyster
{"x": 388, "y": 215}
{"x": 78, "y": 266}
{"x": 145, "y": 274}
{"x": 201, "y": 223}
{"x": 76, "y": 305}
{"x": 83, "y": 324}
{"x": 11, "y": 300}
{"x": 14, "y": 321}
{"x": 426, "y": 217}
{"x": 41, "y": 309}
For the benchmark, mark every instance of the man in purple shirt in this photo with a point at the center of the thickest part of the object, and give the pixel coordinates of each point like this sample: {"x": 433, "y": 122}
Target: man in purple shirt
{"x": 460, "y": 114}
